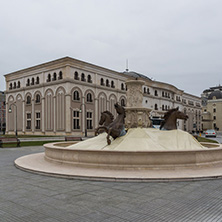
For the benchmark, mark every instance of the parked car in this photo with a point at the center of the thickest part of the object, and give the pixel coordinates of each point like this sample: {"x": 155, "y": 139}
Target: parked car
{"x": 211, "y": 133}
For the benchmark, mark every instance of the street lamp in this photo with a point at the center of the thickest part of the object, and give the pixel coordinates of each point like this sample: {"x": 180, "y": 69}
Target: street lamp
{"x": 10, "y": 111}
{"x": 85, "y": 117}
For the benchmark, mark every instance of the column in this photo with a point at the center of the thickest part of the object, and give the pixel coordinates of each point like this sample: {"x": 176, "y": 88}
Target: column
{"x": 108, "y": 105}
{"x": 68, "y": 111}
{"x": 43, "y": 115}
{"x": 96, "y": 113}
{"x": 83, "y": 115}
{"x": 23, "y": 116}
{"x": 54, "y": 119}
{"x": 33, "y": 116}
{"x": 6, "y": 113}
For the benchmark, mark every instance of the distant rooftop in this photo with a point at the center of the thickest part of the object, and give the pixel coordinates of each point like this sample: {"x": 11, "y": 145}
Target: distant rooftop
{"x": 136, "y": 75}
{"x": 217, "y": 94}
{"x": 212, "y": 89}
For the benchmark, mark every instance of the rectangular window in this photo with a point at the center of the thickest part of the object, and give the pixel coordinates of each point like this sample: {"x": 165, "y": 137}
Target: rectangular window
{"x": 214, "y": 110}
{"x": 37, "y": 120}
{"x": 89, "y": 120}
{"x": 76, "y": 120}
{"x": 28, "y": 120}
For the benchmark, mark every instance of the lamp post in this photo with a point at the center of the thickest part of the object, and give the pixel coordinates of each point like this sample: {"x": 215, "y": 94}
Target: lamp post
{"x": 83, "y": 104}
{"x": 10, "y": 111}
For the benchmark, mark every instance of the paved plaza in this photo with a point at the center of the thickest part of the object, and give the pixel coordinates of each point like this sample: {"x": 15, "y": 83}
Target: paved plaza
{"x": 31, "y": 197}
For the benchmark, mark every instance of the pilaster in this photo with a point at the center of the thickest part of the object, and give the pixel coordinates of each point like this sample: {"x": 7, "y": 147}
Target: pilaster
{"x": 68, "y": 113}
{"x": 23, "y": 116}
{"x": 33, "y": 115}
{"x": 43, "y": 115}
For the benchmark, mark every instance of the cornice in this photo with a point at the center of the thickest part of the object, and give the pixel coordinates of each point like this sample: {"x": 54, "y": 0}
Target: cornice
{"x": 62, "y": 62}
{"x": 164, "y": 86}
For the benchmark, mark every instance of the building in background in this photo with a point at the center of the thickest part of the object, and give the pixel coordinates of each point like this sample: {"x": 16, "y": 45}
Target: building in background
{"x": 66, "y": 97}
{"x": 212, "y": 108}
{"x": 2, "y": 111}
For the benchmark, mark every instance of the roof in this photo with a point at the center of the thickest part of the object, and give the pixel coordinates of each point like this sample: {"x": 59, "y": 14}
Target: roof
{"x": 136, "y": 75}
{"x": 217, "y": 94}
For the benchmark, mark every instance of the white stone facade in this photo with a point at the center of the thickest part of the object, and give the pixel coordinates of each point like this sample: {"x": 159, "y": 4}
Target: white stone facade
{"x": 66, "y": 96}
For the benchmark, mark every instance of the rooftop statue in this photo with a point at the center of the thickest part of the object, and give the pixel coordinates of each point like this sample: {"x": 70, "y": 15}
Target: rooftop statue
{"x": 170, "y": 119}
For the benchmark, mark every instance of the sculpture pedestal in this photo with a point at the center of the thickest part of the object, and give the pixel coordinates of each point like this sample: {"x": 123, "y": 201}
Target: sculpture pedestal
{"x": 137, "y": 117}
{"x": 136, "y": 114}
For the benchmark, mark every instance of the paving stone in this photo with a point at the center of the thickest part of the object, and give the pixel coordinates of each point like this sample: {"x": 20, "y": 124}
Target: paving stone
{"x": 30, "y": 197}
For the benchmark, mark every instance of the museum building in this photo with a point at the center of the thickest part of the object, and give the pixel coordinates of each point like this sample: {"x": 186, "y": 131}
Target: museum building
{"x": 66, "y": 97}
{"x": 2, "y": 111}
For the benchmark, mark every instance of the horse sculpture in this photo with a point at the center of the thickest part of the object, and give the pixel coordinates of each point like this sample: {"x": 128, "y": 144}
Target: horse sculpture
{"x": 105, "y": 120}
{"x": 170, "y": 119}
{"x": 115, "y": 128}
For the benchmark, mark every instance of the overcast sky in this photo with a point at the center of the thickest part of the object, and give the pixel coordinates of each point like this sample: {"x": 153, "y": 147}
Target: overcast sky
{"x": 173, "y": 41}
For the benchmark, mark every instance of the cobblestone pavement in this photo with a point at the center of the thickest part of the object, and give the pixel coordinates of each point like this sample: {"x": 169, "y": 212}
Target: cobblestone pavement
{"x": 30, "y": 197}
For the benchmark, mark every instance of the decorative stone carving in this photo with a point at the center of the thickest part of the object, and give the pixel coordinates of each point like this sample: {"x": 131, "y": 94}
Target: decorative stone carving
{"x": 134, "y": 93}
{"x": 137, "y": 117}
{"x": 136, "y": 114}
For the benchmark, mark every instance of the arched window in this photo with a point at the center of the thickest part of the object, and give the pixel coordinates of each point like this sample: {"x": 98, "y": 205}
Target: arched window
{"x": 54, "y": 76}
{"x": 14, "y": 85}
{"x": 162, "y": 94}
{"x": 37, "y": 80}
{"x": 156, "y": 107}
{"x": 10, "y": 86}
{"x": 49, "y": 78}
{"x": 33, "y": 81}
{"x": 122, "y": 86}
{"x": 165, "y": 107}
{"x": 37, "y": 98}
{"x": 102, "y": 82}
{"x": 76, "y": 96}
{"x": 148, "y": 91}
{"x": 89, "y": 79}
{"x": 19, "y": 84}
{"x": 89, "y": 97}
{"x": 60, "y": 75}
{"x": 107, "y": 83}
{"x": 28, "y": 82}
{"x": 76, "y": 76}
{"x": 28, "y": 100}
{"x": 162, "y": 107}
{"x": 155, "y": 93}
{"x": 112, "y": 84}
{"x": 144, "y": 90}
{"x": 122, "y": 102}
{"x": 83, "y": 77}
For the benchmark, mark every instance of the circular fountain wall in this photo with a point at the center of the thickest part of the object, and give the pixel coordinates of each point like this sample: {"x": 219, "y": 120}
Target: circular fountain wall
{"x": 143, "y": 154}
{"x": 102, "y": 162}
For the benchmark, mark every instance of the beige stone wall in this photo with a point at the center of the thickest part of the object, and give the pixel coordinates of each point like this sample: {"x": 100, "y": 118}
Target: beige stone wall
{"x": 213, "y": 116}
{"x": 57, "y": 104}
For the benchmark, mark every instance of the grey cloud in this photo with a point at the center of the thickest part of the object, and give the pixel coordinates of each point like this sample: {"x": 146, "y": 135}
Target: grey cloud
{"x": 173, "y": 41}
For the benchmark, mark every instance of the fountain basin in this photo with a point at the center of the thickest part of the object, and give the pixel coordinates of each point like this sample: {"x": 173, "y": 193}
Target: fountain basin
{"x": 64, "y": 160}
{"x": 136, "y": 160}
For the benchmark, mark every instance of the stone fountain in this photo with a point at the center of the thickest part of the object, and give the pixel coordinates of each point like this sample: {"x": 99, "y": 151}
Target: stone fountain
{"x": 143, "y": 154}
